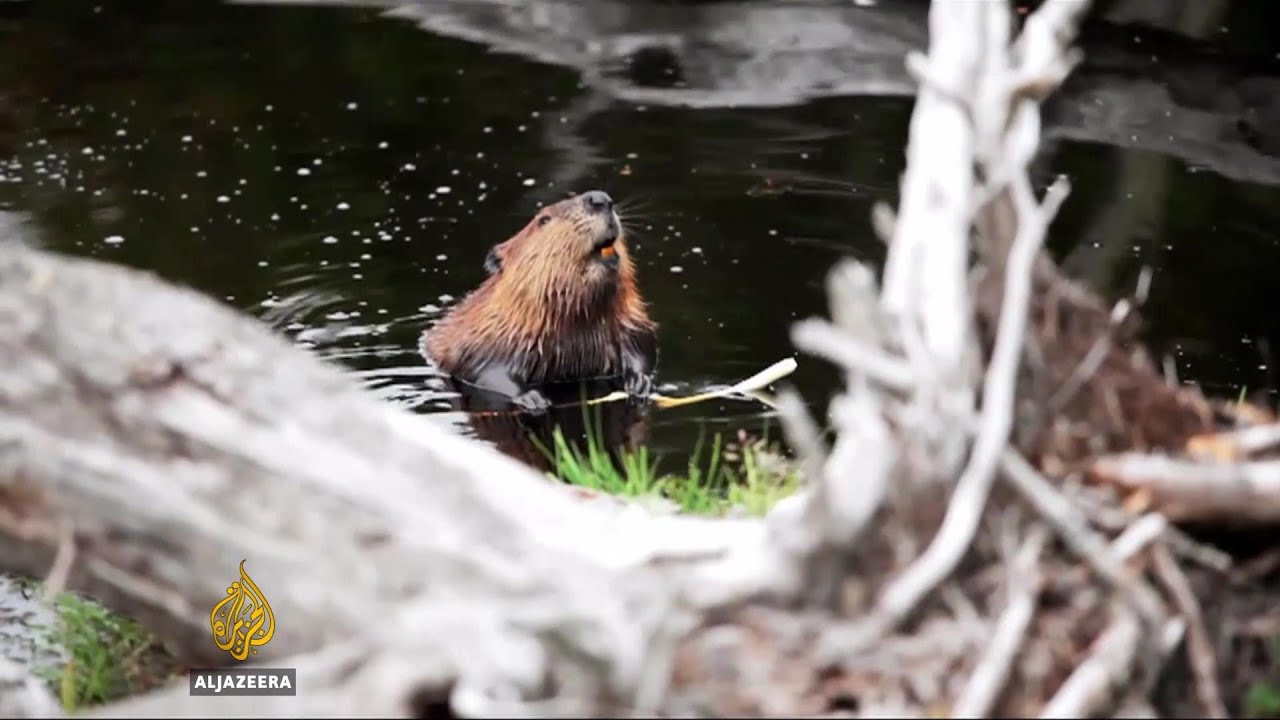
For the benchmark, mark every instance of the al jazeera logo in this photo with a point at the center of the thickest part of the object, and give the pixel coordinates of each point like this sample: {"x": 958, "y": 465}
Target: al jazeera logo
{"x": 242, "y": 623}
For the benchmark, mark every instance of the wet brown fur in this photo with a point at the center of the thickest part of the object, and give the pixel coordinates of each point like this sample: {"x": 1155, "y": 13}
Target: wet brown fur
{"x": 551, "y": 311}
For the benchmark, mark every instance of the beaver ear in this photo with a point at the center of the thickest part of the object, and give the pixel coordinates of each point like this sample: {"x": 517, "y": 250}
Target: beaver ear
{"x": 492, "y": 261}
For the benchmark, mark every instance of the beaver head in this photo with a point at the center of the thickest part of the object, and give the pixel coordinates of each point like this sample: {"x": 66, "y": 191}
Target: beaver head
{"x": 577, "y": 243}
{"x": 561, "y": 303}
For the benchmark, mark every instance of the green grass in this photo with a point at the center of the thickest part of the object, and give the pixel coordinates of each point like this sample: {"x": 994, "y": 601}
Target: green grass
{"x": 747, "y": 476}
{"x": 1263, "y": 697}
{"x": 1263, "y": 700}
{"x": 109, "y": 656}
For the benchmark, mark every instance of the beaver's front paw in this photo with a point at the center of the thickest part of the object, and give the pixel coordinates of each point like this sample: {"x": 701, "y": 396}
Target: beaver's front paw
{"x": 638, "y": 387}
{"x": 532, "y": 401}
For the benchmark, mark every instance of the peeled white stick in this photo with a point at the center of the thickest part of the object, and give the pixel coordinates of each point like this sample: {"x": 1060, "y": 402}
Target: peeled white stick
{"x": 759, "y": 381}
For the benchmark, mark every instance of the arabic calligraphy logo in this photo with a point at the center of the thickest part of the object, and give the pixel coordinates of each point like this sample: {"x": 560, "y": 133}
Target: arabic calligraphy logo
{"x": 242, "y": 621}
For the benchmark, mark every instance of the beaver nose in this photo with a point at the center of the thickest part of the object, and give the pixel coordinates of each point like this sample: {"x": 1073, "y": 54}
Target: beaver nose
{"x": 597, "y": 201}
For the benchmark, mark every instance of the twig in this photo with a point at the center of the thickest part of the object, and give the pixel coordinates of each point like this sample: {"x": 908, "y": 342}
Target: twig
{"x": 1139, "y": 535}
{"x": 970, "y": 496}
{"x": 764, "y": 378}
{"x": 56, "y": 581}
{"x": 1090, "y": 363}
{"x": 1207, "y": 555}
{"x": 992, "y": 671}
{"x": 821, "y": 338}
{"x": 771, "y": 374}
{"x": 1074, "y": 529}
{"x": 1200, "y": 653}
{"x": 1108, "y": 665}
{"x": 864, "y": 443}
{"x": 884, "y": 221}
{"x": 802, "y": 433}
{"x": 1111, "y": 517}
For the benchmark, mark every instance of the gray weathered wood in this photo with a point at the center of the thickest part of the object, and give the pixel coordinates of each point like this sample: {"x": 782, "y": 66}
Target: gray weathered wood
{"x": 176, "y": 437}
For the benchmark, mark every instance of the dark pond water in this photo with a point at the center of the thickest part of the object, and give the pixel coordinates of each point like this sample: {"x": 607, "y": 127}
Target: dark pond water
{"x": 341, "y": 175}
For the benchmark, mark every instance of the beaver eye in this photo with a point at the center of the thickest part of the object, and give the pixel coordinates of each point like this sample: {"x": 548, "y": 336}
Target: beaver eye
{"x": 544, "y": 220}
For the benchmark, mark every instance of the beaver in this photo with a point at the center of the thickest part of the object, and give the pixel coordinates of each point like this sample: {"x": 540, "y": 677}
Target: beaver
{"x": 617, "y": 428}
{"x": 561, "y": 304}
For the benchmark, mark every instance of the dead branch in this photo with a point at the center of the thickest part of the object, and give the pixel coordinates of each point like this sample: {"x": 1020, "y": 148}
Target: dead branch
{"x": 1234, "y": 445}
{"x": 1074, "y": 529}
{"x": 970, "y": 496}
{"x": 995, "y": 667}
{"x": 1200, "y": 653}
{"x": 1109, "y": 666}
{"x": 1189, "y": 490}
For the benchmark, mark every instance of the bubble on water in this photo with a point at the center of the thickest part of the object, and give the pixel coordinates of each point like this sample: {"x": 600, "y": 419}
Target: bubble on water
{"x": 677, "y": 269}
{"x": 408, "y": 167}
{"x": 186, "y": 138}
{"x": 695, "y": 250}
{"x": 201, "y": 173}
{"x": 343, "y": 206}
{"x": 275, "y": 217}
{"x": 444, "y": 190}
{"x": 352, "y": 106}
{"x": 86, "y": 151}
{"x": 382, "y": 145}
{"x": 528, "y": 182}
{"x": 445, "y": 298}
{"x": 442, "y": 257}
{"x": 113, "y": 240}
{"x": 304, "y": 171}
{"x": 329, "y": 240}
{"x": 223, "y": 199}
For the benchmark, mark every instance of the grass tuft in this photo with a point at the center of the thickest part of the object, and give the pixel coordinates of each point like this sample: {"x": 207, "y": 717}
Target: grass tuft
{"x": 108, "y": 656}
{"x": 747, "y": 476}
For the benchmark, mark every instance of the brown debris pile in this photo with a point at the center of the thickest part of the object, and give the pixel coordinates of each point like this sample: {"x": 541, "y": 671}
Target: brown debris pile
{"x": 1188, "y": 629}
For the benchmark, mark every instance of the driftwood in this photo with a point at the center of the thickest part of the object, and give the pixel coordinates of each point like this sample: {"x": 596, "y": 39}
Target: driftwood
{"x": 151, "y": 439}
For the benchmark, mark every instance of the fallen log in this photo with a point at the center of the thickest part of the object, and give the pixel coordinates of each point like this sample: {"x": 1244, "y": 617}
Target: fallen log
{"x": 159, "y": 438}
